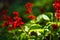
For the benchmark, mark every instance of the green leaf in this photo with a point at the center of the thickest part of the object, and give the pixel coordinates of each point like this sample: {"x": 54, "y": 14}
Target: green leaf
{"x": 37, "y": 30}
{"x": 41, "y": 17}
{"x": 45, "y": 17}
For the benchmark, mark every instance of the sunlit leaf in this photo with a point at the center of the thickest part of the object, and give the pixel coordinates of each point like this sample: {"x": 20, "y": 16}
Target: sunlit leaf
{"x": 45, "y": 17}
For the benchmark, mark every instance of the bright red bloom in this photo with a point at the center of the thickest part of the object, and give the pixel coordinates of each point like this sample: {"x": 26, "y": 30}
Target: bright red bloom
{"x": 28, "y": 5}
{"x": 14, "y": 24}
{"x": 15, "y": 13}
{"x": 57, "y": 11}
{"x": 32, "y": 17}
{"x": 19, "y": 20}
{"x": 57, "y": 14}
{"x": 29, "y": 11}
{"x": 54, "y": 26}
{"x": 56, "y": 5}
{"x": 9, "y": 20}
{"x": 21, "y": 23}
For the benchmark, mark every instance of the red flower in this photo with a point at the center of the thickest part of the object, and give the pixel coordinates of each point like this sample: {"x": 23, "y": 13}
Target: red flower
{"x": 57, "y": 14}
{"x": 56, "y": 5}
{"x": 28, "y": 5}
{"x": 15, "y": 18}
{"x": 32, "y": 17}
{"x": 54, "y": 26}
{"x": 19, "y": 19}
{"x": 29, "y": 11}
{"x": 21, "y": 23}
{"x": 57, "y": 11}
{"x": 14, "y": 24}
{"x": 9, "y": 20}
{"x": 15, "y": 13}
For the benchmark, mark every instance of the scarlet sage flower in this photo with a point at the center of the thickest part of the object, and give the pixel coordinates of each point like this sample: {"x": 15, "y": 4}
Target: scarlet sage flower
{"x": 56, "y": 5}
{"x": 19, "y": 20}
{"x": 19, "y": 24}
{"x": 29, "y": 11}
{"x": 57, "y": 14}
{"x": 54, "y": 26}
{"x": 28, "y": 5}
{"x": 14, "y": 24}
{"x": 9, "y": 20}
{"x": 15, "y": 13}
{"x": 32, "y": 17}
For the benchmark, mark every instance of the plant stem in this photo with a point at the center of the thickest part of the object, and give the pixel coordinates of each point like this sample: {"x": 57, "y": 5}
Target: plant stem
{"x": 50, "y": 36}
{"x": 56, "y": 21}
{"x": 26, "y": 33}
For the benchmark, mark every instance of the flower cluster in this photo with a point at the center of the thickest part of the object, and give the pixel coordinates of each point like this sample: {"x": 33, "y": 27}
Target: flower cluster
{"x": 14, "y": 22}
{"x": 56, "y": 6}
{"x": 28, "y": 7}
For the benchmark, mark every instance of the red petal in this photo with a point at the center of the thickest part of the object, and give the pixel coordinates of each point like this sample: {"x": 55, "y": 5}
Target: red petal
{"x": 14, "y": 25}
{"x": 28, "y": 5}
{"x": 15, "y": 13}
{"x": 32, "y": 17}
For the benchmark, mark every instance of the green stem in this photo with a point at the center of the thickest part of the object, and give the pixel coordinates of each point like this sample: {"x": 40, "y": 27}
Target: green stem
{"x": 52, "y": 17}
{"x": 50, "y": 36}
{"x": 26, "y": 33}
